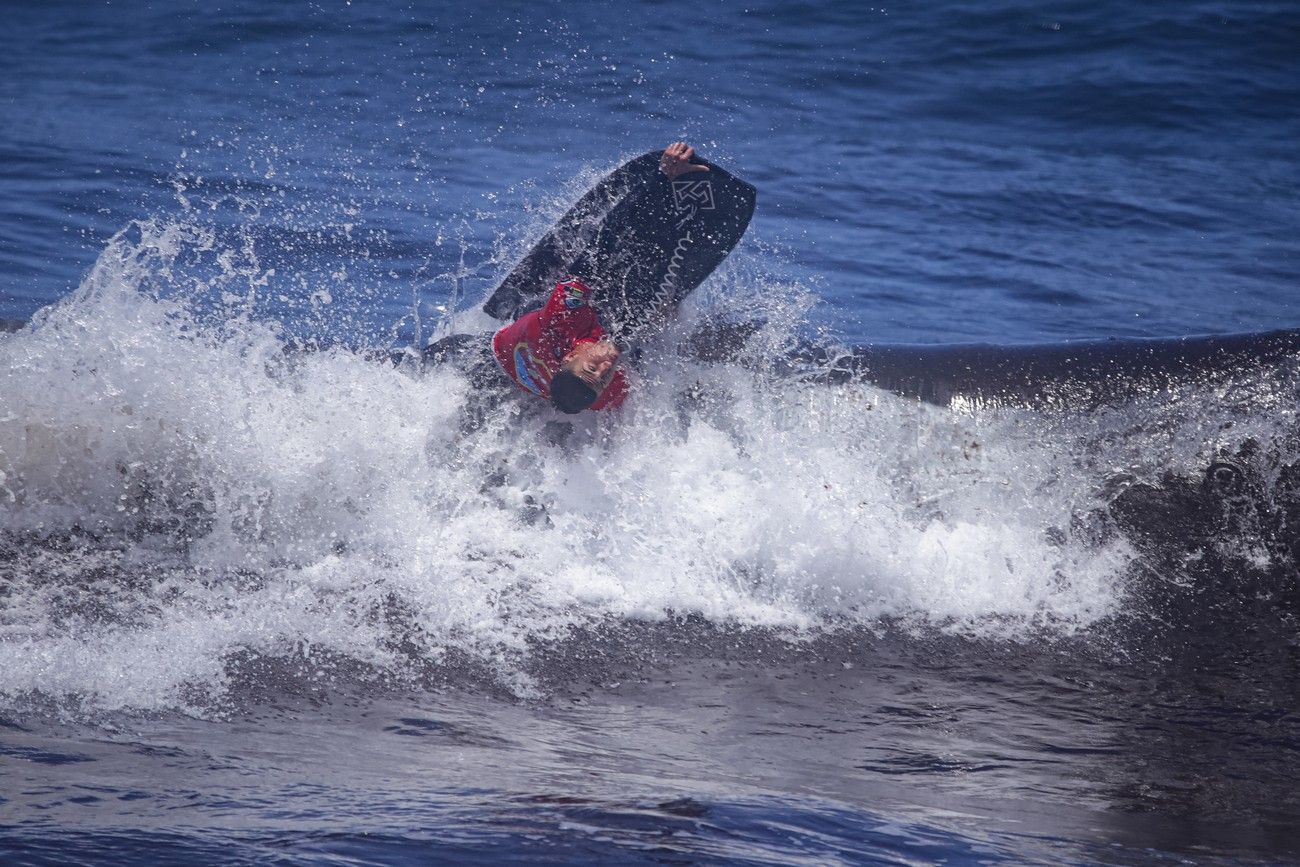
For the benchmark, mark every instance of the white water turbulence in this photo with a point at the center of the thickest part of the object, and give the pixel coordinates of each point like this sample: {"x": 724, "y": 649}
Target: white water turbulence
{"x": 182, "y": 490}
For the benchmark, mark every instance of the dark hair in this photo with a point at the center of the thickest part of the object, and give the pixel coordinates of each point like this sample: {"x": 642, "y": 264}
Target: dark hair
{"x": 570, "y": 394}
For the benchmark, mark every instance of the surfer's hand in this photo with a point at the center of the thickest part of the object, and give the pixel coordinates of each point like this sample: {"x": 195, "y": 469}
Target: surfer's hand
{"x": 676, "y": 161}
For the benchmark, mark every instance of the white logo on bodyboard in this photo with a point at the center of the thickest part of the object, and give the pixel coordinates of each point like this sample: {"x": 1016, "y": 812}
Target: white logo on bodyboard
{"x": 693, "y": 195}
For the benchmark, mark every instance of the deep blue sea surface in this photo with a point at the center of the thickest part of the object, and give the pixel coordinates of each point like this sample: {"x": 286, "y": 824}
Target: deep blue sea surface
{"x": 265, "y": 599}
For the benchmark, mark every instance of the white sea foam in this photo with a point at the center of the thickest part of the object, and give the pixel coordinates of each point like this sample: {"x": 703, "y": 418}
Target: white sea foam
{"x": 242, "y": 497}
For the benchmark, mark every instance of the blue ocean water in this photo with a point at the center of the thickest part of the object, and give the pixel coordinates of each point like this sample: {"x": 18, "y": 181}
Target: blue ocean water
{"x": 257, "y": 604}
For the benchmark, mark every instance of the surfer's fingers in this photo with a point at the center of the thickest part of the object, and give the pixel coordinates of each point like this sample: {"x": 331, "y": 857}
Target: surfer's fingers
{"x": 694, "y": 167}
{"x": 689, "y": 154}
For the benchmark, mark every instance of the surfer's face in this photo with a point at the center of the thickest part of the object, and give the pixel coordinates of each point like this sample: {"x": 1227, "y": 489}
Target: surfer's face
{"x": 593, "y": 363}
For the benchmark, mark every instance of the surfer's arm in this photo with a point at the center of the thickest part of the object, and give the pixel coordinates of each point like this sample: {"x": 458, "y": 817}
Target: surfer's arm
{"x": 568, "y": 317}
{"x": 569, "y": 300}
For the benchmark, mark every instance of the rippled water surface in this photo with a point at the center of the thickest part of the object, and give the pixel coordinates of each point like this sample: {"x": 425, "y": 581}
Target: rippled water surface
{"x": 265, "y": 598}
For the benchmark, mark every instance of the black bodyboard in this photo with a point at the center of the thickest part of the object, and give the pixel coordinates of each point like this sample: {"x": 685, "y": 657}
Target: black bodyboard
{"x": 642, "y": 242}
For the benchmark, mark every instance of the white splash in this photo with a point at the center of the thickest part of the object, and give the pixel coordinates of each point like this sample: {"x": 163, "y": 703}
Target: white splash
{"x": 241, "y": 497}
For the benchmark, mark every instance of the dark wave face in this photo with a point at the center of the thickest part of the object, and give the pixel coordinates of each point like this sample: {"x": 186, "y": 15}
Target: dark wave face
{"x": 267, "y": 596}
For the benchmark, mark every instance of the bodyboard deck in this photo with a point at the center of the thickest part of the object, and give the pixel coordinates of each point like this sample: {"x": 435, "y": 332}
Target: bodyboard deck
{"x": 642, "y": 242}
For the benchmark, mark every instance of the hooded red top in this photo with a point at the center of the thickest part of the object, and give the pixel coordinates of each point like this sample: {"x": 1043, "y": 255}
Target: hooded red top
{"x": 530, "y": 350}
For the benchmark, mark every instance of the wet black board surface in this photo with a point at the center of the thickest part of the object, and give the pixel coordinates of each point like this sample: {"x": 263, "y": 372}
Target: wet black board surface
{"x": 642, "y": 242}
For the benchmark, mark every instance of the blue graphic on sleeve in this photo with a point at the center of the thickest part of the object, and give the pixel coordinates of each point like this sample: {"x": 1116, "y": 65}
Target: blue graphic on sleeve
{"x": 522, "y": 373}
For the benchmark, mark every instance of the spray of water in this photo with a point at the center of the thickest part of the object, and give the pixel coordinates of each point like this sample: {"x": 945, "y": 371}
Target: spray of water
{"x": 181, "y": 485}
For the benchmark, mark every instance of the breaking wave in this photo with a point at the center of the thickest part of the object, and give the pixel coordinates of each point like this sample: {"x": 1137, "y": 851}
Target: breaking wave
{"x": 183, "y": 485}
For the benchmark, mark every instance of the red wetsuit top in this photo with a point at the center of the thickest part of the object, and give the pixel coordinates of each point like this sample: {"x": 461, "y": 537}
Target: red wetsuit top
{"x": 530, "y": 350}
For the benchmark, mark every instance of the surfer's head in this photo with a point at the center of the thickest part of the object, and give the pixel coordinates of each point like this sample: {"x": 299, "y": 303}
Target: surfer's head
{"x": 583, "y": 375}
{"x": 570, "y": 394}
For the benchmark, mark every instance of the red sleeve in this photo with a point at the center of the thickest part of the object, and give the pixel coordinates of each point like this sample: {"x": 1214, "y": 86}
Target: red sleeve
{"x": 568, "y": 317}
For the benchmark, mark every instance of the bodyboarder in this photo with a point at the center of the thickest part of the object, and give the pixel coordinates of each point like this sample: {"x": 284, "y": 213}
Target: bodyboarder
{"x": 563, "y": 352}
